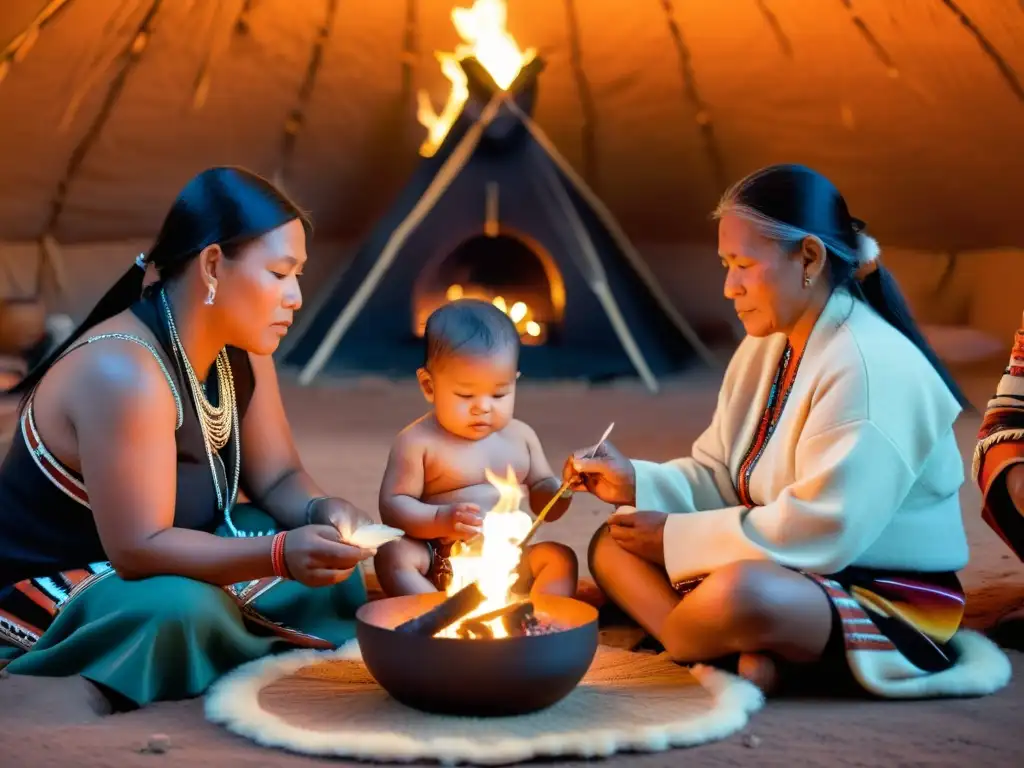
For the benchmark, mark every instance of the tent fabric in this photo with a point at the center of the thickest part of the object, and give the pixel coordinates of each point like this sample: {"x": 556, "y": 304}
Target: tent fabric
{"x": 380, "y": 338}
{"x": 914, "y": 108}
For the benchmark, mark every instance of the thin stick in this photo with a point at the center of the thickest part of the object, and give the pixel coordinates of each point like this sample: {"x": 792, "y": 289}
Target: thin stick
{"x": 446, "y": 174}
{"x": 561, "y": 490}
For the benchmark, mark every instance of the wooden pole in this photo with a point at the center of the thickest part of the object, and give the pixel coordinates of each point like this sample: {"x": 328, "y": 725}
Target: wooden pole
{"x": 442, "y": 180}
{"x": 52, "y": 256}
{"x": 491, "y": 225}
{"x": 297, "y": 117}
{"x": 16, "y": 50}
{"x": 619, "y": 237}
{"x": 130, "y": 55}
{"x": 599, "y": 281}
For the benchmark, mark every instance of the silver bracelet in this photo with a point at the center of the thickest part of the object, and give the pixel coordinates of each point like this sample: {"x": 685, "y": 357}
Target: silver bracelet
{"x": 309, "y": 507}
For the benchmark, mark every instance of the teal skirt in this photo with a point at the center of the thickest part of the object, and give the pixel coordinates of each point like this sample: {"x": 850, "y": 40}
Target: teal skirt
{"x": 169, "y": 637}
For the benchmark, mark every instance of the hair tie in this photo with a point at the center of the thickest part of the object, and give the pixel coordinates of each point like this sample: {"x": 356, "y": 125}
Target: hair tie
{"x": 868, "y": 252}
{"x": 141, "y": 261}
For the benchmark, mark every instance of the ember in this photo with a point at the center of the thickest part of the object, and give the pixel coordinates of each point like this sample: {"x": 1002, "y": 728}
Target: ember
{"x": 542, "y": 628}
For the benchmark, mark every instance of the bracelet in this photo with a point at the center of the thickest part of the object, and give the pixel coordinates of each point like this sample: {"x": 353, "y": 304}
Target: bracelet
{"x": 277, "y": 561}
{"x": 309, "y": 507}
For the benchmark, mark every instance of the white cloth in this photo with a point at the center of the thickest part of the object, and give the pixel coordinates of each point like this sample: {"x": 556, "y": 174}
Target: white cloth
{"x": 863, "y": 468}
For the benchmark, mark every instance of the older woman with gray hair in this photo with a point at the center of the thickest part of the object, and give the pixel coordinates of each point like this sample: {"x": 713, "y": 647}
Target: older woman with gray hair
{"x": 817, "y": 520}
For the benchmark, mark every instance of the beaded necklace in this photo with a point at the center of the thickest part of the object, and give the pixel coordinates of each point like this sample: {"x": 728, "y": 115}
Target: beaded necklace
{"x": 217, "y": 423}
{"x": 777, "y": 397}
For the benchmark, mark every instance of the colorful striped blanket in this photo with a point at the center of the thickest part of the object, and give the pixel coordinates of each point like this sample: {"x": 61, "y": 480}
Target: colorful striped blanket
{"x": 1000, "y": 446}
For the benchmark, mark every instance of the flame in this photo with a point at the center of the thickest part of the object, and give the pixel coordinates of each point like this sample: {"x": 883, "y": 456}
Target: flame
{"x": 520, "y": 312}
{"x": 493, "y": 562}
{"x": 482, "y": 29}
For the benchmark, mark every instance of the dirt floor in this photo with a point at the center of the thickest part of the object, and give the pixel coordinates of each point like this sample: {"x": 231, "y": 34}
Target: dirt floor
{"x": 344, "y": 433}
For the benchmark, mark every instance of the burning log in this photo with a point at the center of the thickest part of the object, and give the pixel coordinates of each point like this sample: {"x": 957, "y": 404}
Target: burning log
{"x": 519, "y": 620}
{"x": 481, "y": 84}
{"x": 462, "y": 603}
{"x": 474, "y": 630}
{"x": 512, "y": 615}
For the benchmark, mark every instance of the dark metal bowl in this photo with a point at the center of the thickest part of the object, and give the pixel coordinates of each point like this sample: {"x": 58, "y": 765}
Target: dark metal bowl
{"x": 478, "y": 678}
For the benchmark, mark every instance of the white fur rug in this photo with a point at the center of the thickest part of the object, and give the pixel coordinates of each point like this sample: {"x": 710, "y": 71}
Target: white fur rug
{"x": 326, "y": 703}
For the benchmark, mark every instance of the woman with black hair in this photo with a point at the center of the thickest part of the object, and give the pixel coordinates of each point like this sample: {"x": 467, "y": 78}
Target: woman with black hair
{"x": 123, "y": 555}
{"x": 818, "y": 517}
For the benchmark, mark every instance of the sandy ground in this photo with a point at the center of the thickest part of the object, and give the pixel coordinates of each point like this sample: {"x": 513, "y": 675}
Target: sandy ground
{"x": 344, "y": 433}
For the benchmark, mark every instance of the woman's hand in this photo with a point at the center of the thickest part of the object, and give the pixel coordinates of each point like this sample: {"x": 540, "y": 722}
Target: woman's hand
{"x": 341, "y": 515}
{"x": 317, "y": 557}
{"x": 608, "y": 474}
{"x": 642, "y": 533}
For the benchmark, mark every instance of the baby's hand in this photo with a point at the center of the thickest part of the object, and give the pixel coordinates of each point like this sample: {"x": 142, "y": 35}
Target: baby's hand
{"x": 461, "y": 520}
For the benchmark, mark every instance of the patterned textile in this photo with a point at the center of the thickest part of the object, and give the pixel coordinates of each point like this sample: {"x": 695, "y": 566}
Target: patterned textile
{"x": 1000, "y": 446}
{"x": 782, "y": 384}
{"x": 28, "y": 608}
{"x": 893, "y": 625}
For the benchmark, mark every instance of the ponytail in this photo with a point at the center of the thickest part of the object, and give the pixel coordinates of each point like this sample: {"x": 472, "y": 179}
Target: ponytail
{"x": 223, "y": 206}
{"x": 880, "y": 290}
{"x": 125, "y": 292}
{"x": 789, "y": 203}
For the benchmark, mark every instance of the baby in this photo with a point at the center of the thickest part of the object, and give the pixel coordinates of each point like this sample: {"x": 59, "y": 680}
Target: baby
{"x": 434, "y": 486}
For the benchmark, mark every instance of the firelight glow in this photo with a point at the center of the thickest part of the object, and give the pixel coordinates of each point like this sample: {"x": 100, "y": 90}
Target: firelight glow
{"x": 493, "y": 564}
{"x": 482, "y": 29}
{"x": 520, "y": 312}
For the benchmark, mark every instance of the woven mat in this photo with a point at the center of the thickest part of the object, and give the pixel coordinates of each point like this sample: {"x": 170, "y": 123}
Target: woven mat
{"x": 328, "y": 704}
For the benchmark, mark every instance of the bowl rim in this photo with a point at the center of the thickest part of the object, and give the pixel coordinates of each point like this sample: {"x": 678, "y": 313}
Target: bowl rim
{"x": 591, "y": 621}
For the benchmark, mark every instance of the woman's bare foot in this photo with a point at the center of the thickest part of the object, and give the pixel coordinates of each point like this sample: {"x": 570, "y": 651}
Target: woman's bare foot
{"x": 760, "y": 670}
{"x": 1009, "y": 630}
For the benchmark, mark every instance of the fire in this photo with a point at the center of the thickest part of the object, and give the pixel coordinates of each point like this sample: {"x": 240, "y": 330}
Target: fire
{"x": 492, "y": 561}
{"x": 520, "y": 312}
{"x": 482, "y": 29}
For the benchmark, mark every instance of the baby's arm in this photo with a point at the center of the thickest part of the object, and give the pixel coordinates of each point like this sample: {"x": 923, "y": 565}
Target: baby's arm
{"x": 401, "y": 491}
{"x": 542, "y": 482}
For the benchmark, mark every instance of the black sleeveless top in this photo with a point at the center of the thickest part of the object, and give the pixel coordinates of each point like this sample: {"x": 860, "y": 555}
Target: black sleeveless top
{"x": 46, "y": 525}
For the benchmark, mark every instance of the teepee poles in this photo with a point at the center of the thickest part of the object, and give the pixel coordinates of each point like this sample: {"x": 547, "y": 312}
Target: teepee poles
{"x": 619, "y": 236}
{"x": 19, "y": 47}
{"x": 448, "y": 172}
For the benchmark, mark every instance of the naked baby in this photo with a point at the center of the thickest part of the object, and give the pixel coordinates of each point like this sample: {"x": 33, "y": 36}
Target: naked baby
{"x": 434, "y": 486}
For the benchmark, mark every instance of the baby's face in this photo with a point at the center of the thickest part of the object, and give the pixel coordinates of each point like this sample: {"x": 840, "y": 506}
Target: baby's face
{"x": 474, "y": 396}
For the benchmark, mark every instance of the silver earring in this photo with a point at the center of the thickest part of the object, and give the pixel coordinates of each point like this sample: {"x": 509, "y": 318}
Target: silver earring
{"x": 807, "y": 282}
{"x": 211, "y": 295}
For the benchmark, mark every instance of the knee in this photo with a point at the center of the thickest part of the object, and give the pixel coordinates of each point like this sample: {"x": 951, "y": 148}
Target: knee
{"x": 386, "y": 556}
{"x": 397, "y": 557}
{"x": 552, "y": 553}
{"x": 743, "y": 590}
{"x": 601, "y": 554}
